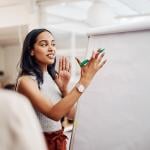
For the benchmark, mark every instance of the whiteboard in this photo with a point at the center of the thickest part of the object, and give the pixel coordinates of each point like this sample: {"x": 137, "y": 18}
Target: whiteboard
{"x": 114, "y": 111}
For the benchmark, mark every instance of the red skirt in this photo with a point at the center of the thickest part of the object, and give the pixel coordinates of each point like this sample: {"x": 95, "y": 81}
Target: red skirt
{"x": 56, "y": 140}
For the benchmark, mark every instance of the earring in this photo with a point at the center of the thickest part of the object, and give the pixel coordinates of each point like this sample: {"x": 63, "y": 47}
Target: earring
{"x": 32, "y": 53}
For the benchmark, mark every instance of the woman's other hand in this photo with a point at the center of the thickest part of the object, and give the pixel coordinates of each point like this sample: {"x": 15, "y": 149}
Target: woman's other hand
{"x": 64, "y": 74}
{"x": 89, "y": 70}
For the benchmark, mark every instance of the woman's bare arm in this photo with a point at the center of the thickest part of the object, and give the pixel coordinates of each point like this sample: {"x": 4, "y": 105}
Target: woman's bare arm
{"x": 29, "y": 88}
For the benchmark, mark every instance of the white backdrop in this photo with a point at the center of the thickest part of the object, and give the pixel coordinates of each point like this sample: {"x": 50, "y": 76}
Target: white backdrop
{"x": 114, "y": 112}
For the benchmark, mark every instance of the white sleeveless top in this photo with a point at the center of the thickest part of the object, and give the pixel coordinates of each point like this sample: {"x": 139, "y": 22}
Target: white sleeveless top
{"x": 50, "y": 90}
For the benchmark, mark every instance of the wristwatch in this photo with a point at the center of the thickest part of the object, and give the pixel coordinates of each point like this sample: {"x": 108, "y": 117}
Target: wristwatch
{"x": 80, "y": 87}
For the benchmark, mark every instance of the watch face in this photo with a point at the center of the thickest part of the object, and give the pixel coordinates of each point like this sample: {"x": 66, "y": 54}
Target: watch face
{"x": 81, "y": 88}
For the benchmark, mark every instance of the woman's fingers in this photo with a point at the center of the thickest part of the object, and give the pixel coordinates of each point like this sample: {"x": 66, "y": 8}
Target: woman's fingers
{"x": 67, "y": 64}
{"x": 96, "y": 60}
{"x": 69, "y": 67}
{"x": 60, "y": 64}
{"x": 99, "y": 57}
{"x": 93, "y": 54}
{"x": 102, "y": 64}
{"x": 64, "y": 64}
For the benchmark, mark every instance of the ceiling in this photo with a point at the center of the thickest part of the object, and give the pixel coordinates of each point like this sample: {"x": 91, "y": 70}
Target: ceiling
{"x": 66, "y": 16}
{"x": 77, "y": 10}
{"x": 72, "y": 15}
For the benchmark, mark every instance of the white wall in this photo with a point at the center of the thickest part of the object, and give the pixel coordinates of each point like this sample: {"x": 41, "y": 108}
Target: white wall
{"x": 9, "y": 15}
{"x": 11, "y": 56}
{"x": 2, "y": 65}
{"x": 13, "y": 15}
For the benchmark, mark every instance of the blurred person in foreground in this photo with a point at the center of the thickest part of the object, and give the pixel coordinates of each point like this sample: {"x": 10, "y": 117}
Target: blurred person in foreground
{"x": 19, "y": 126}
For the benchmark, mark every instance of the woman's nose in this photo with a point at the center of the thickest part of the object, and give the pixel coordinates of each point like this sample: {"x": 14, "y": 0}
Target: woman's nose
{"x": 51, "y": 49}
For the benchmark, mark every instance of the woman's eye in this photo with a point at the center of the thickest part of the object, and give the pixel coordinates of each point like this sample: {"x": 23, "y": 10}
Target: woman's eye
{"x": 44, "y": 44}
{"x": 53, "y": 44}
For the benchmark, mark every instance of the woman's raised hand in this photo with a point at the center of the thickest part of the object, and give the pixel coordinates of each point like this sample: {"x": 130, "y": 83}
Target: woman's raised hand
{"x": 64, "y": 74}
{"x": 89, "y": 70}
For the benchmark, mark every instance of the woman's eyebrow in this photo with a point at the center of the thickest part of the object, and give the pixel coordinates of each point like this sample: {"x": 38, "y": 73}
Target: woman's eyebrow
{"x": 45, "y": 41}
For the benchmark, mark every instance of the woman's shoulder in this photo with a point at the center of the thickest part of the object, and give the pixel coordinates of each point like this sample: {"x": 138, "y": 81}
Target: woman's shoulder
{"x": 25, "y": 80}
{"x": 24, "y": 77}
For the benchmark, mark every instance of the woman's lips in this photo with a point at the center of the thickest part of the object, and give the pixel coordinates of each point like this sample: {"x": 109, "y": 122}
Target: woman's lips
{"x": 51, "y": 56}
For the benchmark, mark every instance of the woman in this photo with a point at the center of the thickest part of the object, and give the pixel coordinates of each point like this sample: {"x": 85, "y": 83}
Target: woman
{"x": 46, "y": 88}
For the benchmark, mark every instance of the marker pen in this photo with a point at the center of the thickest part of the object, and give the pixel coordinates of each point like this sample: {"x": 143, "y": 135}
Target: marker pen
{"x": 84, "y": 62}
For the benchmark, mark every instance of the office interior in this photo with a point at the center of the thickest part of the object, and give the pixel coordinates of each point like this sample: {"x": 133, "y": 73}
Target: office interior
{"x": 68, "y": 20}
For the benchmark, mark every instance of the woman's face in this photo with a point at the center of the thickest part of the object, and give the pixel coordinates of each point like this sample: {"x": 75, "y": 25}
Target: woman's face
{"x": 44, "y": 49}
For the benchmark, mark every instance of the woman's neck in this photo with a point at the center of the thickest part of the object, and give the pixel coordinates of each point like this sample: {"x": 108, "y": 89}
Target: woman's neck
{"x": 43, "y": 68}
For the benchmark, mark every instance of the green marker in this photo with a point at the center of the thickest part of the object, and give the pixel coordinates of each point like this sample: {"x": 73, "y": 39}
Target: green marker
{"x": 84, "y": 62}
